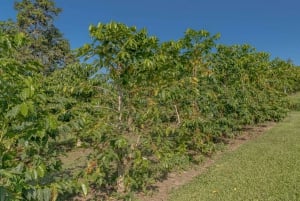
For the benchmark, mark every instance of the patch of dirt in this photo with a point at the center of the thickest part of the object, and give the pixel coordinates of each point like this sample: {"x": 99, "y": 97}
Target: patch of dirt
{"x": 76, "y": 158}
{"x": 177, "y": 179}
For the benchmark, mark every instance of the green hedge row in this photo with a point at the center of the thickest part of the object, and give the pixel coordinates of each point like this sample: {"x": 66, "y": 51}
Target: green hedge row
{"x": 140, "y": 107}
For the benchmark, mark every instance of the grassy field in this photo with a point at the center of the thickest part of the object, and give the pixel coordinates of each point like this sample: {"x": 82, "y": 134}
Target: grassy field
{"x": 265, "y": 169}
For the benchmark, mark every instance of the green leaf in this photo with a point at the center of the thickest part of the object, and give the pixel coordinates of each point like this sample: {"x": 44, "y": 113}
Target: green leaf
{"x": 3, "y": 194}
{"x": 41, "y": 170}
{"x": 24, "y": 109}
{"x": 35, "y": 174}
{"x": 19, "y": 38}
{"x": 47, "y": 194}
{"x": 25, "y": 94}
{"x": 7, "y": 174}
{"x": 13, "y": 112}
{"x": 52, "y": 122}
{"x": 121, "y": 143}
{"x": 39, "y": 194}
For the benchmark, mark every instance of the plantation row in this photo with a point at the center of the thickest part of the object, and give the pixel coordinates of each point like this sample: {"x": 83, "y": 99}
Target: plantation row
{"x": 140, "y": 106}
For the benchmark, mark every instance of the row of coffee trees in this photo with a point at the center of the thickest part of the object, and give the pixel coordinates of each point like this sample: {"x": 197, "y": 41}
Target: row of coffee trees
{"x": 164, "y": 104}
{"x": 140, "y": 107}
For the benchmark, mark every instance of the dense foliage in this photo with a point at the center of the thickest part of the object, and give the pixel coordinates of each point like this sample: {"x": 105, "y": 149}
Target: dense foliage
{"x": 27, "y": 160}
{"x": 141, "y": 107}
{"x": 35, "y": 18}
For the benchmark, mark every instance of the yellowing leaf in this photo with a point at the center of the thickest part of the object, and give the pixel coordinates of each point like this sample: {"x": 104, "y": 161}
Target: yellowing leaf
{"x": 194, "y": 80}
{"x": 54, "y": 193}
{"x": 84, "y": 189}
{"x": 64, "y": 89}
{"x": 156, "y": 92}
{"x": 150, "y": 102}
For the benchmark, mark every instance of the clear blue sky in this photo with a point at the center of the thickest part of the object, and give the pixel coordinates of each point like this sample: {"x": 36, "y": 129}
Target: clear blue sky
{"x": 269, "y": 25}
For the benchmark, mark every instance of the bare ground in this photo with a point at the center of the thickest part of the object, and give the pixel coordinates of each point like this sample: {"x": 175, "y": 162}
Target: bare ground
{"x": 177, "y": 179}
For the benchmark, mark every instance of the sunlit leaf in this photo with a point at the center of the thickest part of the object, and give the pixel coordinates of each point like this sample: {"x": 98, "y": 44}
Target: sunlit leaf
{"x": 24, "y": 109}
{"x": 84, "y": 189}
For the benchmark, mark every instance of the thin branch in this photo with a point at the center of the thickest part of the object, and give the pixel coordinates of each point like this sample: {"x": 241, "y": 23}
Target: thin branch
{"x": 119, "y": 107}
{"x": 177, "y": 114}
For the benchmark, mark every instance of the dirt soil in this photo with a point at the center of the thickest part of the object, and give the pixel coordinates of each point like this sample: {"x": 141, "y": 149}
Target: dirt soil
{"x": 177, "y": 179}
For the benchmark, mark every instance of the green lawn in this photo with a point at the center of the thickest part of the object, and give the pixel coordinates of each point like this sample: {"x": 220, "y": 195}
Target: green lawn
{"x": 264, "y": 169}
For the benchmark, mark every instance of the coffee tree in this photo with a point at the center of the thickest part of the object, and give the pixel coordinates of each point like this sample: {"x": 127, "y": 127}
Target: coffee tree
{"x": 26, "y": 159}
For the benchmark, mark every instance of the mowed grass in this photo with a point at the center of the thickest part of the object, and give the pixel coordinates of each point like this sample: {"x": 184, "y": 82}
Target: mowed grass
{"x": 264, "y": 169}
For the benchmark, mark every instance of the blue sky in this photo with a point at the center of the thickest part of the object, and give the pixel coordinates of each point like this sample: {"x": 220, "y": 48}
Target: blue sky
{"x": 268, "y": 25}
